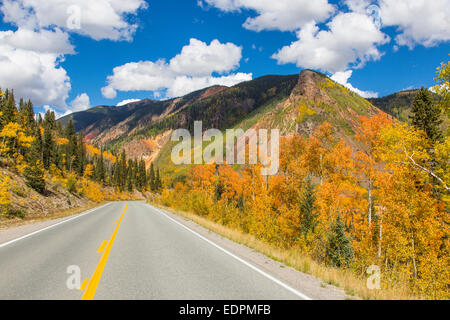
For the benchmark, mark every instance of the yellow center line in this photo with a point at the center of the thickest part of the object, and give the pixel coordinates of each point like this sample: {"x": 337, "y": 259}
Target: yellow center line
{"x": 93, "y": 284}
{"x": 102, "y": 247}
{"x": 83, "y": 285}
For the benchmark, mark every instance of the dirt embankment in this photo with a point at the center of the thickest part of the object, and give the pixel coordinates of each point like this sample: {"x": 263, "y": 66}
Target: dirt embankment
{"x": 28, "y": 205}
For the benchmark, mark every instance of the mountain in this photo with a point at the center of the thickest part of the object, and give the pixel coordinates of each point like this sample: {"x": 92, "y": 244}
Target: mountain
{"x": 292, "y": 103}
{"x": 397, "y": 105}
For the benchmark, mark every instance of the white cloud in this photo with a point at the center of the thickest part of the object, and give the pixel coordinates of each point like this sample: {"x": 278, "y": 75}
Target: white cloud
{"x": 30, "y": 57}
{"x": 350, "y": 41}
{"x": 100, "y": 19}
{"x": 186, "y": 84}
{"x": 188, "y": 71}
{"x": 199, "y": 58}
{"x": 32, "y": 69}
{"x": 127, "y": 101}
{"x": 41, "y": 41}
{"x": 81, "y": 103}
{"x": 343, "y": 77}
{"x": 425, "y": 22}
{"x": 284, "y": 15}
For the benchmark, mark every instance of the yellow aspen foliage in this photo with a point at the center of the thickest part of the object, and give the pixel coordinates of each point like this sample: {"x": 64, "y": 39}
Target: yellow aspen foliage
{"x": 382, "y": 192}
{"x": 5, "y": 194}
{"x": 92, "y": 190}
{"x": 62, "y": 141}
{"x": 89, "y": 171}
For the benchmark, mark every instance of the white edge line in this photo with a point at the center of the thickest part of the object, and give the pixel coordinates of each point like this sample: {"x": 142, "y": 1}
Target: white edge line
{"x": 268, "y": 276}
{"x": 52, "y": 226}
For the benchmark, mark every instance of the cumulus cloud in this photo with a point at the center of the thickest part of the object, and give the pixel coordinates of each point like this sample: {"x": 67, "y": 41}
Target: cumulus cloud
{"x": 188, "y": 71}
{"x": 350, "y": 41}
{"x": 343, "y": 77}
{"x": 284, "y": 15}
{"x": 41, "y": 41}
{"x": 199, "y": 58}
{"x": 30, "y": 56}
{"x": 127, "y": 101}
{"x": 100, "y": 19}
{"x": 81, "y": 103}
{"x": 422, "y": 22}
{"x": 32, "y": 69}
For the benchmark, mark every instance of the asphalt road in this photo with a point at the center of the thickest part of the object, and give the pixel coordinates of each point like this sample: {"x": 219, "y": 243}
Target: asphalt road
{"x": 129, "y": 251}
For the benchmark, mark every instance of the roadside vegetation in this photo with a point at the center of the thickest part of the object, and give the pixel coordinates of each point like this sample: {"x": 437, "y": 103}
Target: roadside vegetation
{"x": 334, "y": 210}
{"x": 45, "y": 165}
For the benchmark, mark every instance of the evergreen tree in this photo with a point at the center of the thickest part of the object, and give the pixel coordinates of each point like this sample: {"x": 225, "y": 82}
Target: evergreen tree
{"x": 71, "y": 148}
{"x": 34, "y": 171}
{"x": 123, "y": 171}
{"x": 81, "y": 155}
{"x": 158, "y": 183}
{"x": 30, "y": 122}
{"x": 339, "y": 249}
{"x": 99, "y": 174}
{"x": 39, "y": 120}
{"x": 152, "y": 178}
{"x": 49, "y": 149}
{"x": 135, "y": 174}
{"x": 142, "y": 175}
{"x": 427, "y": 115}
{"x": 130, "y": 177}
{"x": 308, "y": 215}
{"x": 49, "y": 120}
{"x": 8, "y": 109}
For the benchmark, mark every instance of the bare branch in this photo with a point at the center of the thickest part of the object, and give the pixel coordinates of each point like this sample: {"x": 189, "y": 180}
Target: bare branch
{"x": 415, "y": 164}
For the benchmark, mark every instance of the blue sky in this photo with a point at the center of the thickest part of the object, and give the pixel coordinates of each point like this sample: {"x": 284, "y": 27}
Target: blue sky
{"x": 373, "y": 52}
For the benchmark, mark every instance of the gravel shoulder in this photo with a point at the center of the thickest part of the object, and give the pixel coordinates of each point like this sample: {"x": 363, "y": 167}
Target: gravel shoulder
{"x": 9, "y": 233}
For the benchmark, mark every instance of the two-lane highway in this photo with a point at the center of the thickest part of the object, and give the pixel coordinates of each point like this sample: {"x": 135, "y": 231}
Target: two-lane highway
{"x": 129, "y": 251}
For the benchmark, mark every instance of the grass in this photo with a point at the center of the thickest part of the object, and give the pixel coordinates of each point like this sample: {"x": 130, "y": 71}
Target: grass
{"x": 345, "y": 279}
{"x": 6, "y": 222}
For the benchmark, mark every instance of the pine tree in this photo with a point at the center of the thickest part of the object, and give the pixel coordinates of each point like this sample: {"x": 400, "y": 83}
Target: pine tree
{"x": 8, "y": 109}
{"x": 308, "y": 215}
{"x": 99, "y": 173}
{"x": 339, "y": 249}
{"x": 123, "y": 170}
{"x": 152, "y": 178}
{"x": 49, "y": 149}
{"x": 71, "y": 148}
{"x": 130, "y": 177}
{"x": 158, "y": 183}
{"x": 427, "y": 115}
{"x": 30, "y": 121}
{"x": 81, "y": 155}
{"x": 49, "y": 120}
{"x": 34, "y": 171}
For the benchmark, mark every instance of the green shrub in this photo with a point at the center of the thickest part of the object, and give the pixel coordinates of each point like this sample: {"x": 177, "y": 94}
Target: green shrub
{"x": 71, "y": 185}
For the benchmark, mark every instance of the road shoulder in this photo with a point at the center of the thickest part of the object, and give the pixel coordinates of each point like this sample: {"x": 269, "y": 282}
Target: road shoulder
{"x": 10, "y": 233}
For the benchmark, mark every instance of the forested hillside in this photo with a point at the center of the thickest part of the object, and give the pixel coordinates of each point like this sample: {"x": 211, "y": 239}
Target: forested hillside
{"x": 375, "y": 196}
{"x": 41, "y": 158}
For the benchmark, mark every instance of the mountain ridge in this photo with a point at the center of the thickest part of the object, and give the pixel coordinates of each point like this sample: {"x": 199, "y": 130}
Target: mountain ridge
{"x": 291, "y": 103}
